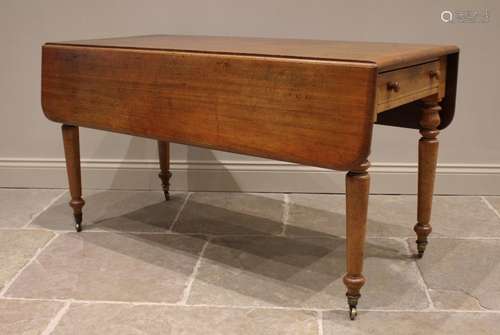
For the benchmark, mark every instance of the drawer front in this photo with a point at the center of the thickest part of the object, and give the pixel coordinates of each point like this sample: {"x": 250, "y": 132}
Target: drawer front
{"x": 398, "y": 87}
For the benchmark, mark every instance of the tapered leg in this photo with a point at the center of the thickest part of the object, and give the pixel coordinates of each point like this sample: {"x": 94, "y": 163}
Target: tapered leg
{"x": 427, "y": 160}
{"x": 357, "y": 189}
{"x": 164, "y": 155}
{"x": 72, "y": 153}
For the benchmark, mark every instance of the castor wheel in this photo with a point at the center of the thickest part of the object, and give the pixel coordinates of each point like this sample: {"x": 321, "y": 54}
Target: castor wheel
{"x": 352, "y": 302}
{"x": 164, "y": 175}
{"x": 77, "y": 203}
{"x": 421, "y": 245}
{"x": 353, "y": 313}
{"x": 78, "y": 222}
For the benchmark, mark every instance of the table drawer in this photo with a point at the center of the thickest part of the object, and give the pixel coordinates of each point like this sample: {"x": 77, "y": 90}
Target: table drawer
{"x": 397, "y": 87}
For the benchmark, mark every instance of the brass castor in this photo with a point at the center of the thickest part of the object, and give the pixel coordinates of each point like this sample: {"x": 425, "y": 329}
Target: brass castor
{"x": 421, "y": 248}
{"x": 353, "y": 312}
{"x": 423, "y": 230}
{"x": 352, "y": 301}
{"x": 165, "y": 177}
{"x": 78, "y": 222}
{"x": 77, "y": 203}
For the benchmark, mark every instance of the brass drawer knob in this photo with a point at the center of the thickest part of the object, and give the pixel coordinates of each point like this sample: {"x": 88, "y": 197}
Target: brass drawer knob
{"x": 393, "y": 86}
{"x": 434, "y": 74}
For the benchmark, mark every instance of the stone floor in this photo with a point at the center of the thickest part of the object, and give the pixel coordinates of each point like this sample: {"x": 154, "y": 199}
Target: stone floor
{"x": 227, "y": 263}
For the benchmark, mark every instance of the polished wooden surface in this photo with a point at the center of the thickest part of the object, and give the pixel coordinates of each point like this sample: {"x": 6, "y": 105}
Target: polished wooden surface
{"x": 398, "y": 87}
{"x": 427, "y": 161}
{"x": 311, "y": 112}
{"x": 71, "y": 142}
{"x": 165, "y": 174}
{"x": 408, "y": 115}
{"x": 303, "y": 101}
{"x": 357, "y": 190}
{"x": 385, "y": 55}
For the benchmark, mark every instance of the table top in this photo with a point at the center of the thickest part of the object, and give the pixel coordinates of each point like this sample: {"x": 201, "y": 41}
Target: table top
{"x": 386, "y": 56}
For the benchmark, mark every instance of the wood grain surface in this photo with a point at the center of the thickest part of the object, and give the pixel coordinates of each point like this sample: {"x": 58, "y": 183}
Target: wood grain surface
{"x": 312, "y": 112}
{"x": 413, "y": 83}
{"x": 408, "y": 115}
{"x": 385, "y": 55}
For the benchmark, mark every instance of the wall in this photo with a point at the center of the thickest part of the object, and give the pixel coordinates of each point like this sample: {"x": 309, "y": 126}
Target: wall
{"x": 30, "y": 145}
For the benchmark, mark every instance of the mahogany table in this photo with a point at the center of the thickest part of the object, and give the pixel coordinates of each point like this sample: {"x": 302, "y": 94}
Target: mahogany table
{"x": 305, "y": 101}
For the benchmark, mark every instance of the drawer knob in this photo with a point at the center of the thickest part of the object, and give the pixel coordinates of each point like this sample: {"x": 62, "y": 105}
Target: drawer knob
{"x": 434, "y": 74}
{"x": 393, "y": 86}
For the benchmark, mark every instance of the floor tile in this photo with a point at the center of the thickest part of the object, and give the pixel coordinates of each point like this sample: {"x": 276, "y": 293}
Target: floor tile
{"x": 303, "y": 272}
{"x": 391, "y": 216}
{"x": 415, "y": 323}
{"x": 316, "y": 215}
{"x": 311, "y": 214}
{"x": 232, "y": 213}
{"x": 463, "y": 274}
{"x": 495, "y": 202}
{"x": 26, "y": 317}
{"x": 111, "y": 266}
{"x": 464, "y": 216}
{"x": 449, "y": 299}
{"x": 17, "y": 247}
{"x": 139, "y": 211}
{"x": 18, "y": 206}
{"x": 97, "y": 319}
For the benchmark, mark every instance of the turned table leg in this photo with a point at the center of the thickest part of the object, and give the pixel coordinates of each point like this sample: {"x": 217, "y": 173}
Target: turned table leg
{"x": 72, "y": 153}
{"x": 427, "y": 160}
{"x": 164, "y": 155}
{"x": 357, "y": 189}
